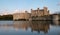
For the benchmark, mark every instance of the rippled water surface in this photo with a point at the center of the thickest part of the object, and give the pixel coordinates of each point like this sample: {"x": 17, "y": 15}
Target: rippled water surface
{"x": 29, "y": 28}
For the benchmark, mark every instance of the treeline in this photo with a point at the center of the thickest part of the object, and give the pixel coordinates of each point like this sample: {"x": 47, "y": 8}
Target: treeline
{"x": 6, "y": 17}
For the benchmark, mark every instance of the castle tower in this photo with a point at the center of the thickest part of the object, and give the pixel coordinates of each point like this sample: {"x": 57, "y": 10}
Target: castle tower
{"x": 38, "y": 9}
{"x": 31, "y": 13}
{"x": 38, "y": 12}
{"x": 26, "y": 12}
{"x": 45, "y": 11}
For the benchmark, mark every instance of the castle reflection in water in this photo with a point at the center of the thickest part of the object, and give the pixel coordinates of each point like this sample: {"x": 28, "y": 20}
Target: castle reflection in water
{"x": 34, "y": 25}
{"x": 38, "y": 26}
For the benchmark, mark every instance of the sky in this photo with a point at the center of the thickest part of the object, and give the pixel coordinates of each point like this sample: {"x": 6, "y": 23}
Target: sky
{"x": 10, "y": 6}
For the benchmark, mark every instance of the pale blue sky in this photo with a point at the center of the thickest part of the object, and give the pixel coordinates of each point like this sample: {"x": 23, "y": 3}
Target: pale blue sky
{"x": 11, "y": 5}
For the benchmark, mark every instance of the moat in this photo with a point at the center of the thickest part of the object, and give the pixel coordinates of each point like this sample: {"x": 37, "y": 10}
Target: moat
{"x": 29, "y": 28}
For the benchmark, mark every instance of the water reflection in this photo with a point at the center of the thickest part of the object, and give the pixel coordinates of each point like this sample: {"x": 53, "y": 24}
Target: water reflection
{"x": 31, "y": 26}
{"x": 39, "y": 26}
{"x": 56, "y": 22}
{"x": 21, "y": 25}
{"x": 34, "y": 25}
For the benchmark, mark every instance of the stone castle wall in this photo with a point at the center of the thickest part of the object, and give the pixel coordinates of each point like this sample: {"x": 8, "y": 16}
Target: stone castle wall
{"x": 34, "y": 13}
{"x": 39, "y": 12}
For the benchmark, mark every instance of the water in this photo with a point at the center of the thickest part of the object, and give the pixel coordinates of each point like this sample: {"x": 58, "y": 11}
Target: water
{"x": 29, "y": 28}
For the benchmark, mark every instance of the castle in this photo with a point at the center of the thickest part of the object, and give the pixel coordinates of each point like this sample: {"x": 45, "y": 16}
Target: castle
{"x": 39, "y": 12}
{"x": 34, "y": 13}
